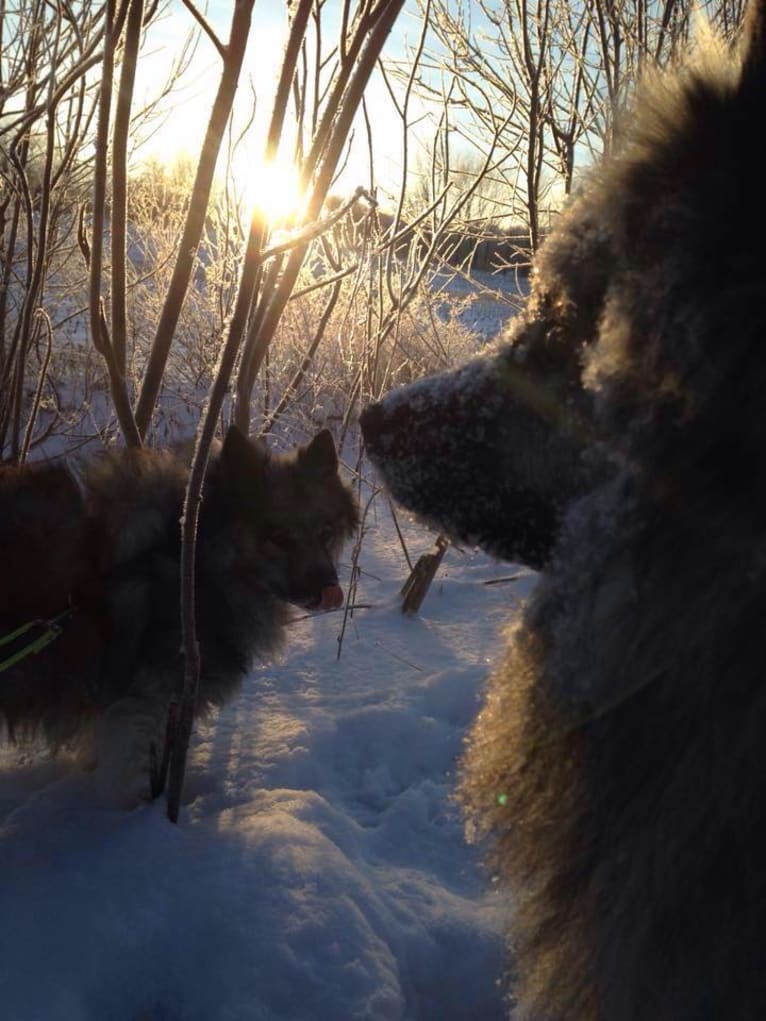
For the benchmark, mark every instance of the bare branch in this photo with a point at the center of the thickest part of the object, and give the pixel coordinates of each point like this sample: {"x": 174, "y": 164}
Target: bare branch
{"x": 206, "y": 28}
{"x": 195, "y": 220}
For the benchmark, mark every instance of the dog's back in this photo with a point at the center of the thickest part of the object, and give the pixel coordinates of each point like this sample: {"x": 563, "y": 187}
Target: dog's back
{"x": 43, "y": 541}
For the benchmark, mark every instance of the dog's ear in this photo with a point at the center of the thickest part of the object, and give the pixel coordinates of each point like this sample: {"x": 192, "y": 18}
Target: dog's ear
{"x": 754, "y": 46}
{"x": 319, "y": 457}
{"x": 242, "y": 456}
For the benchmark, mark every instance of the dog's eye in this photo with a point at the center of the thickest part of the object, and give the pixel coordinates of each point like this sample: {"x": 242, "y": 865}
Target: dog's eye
{"x": 327, "y": 534}
{"x": 280, "y": 538}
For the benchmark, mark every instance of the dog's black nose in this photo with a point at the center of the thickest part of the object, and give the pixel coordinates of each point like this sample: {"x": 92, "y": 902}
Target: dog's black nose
{"x": 372, "y": 420}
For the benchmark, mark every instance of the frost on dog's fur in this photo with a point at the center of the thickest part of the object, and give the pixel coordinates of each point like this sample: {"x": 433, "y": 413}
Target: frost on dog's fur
{"x": 617, "y": 770}
{"x": 271, "y": 529}
{"x": 463, "y": 451}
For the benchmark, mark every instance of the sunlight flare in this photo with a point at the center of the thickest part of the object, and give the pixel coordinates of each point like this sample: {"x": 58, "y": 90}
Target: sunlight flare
{"x": 275, "y": 192}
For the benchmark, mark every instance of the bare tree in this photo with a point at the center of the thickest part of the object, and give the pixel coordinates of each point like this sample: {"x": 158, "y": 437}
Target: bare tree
{"x": 47, "y": 104}
{"x": 364, "y": 30}
{"x": 558, "y": 71}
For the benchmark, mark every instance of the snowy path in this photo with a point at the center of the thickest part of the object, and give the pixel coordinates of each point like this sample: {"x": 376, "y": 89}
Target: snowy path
{"x": 319, "y": 871}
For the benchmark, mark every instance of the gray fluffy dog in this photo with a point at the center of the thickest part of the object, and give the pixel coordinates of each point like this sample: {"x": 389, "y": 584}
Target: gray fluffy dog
{"x": 618, "y": 767}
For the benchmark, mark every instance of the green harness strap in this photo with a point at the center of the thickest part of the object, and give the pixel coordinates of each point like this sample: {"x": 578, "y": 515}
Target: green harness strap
{"x": 52, "y": 631}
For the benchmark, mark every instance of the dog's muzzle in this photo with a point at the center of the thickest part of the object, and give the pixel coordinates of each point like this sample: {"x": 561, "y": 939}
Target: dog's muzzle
{"x": 330, "y": 598}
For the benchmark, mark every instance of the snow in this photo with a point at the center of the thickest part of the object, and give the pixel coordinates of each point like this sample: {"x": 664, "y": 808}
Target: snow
{"x": 319, "y": 870}
{"x": 484, "y": 303}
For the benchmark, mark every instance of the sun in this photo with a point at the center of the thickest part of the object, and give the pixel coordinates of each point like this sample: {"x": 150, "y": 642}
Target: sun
{"x": 274, "y": 191}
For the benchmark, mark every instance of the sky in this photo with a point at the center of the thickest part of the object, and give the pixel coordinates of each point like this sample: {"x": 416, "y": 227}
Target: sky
{"x": 180, "y": 130}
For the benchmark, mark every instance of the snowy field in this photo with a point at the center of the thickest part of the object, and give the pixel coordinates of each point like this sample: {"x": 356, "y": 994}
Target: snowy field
{"x": 494, "y": 299}
{"x": 319, "y": 870}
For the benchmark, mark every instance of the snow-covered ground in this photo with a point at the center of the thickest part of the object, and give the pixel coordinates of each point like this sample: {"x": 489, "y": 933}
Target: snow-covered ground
{"x": 486, "y": 302}
{"x": 319, "y": 870}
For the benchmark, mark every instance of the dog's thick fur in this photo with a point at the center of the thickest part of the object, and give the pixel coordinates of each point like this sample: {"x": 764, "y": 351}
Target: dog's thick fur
{"x": 107, "y": 547}
{"x": 618, "y": 767}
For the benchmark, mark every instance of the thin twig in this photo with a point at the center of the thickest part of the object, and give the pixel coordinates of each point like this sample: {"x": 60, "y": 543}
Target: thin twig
{"x": 395, "y": 520}
{"x": 120, "y": 136}
{"x": 44, "y": 318}
{"x": 195, "y": 218}
{"x": 190, "y": 520}
{"x": 297, "y": 379}
{"x": 207, "y": 28}
{"x": 314, "y": 230}
{"x": 354, "y": 577}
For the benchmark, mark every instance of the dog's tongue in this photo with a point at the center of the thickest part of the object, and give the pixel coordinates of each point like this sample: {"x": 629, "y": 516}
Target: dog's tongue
{"x": 332, "y": 597}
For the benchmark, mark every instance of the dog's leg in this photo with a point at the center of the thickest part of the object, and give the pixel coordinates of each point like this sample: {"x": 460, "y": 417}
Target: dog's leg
{"x": 126, "y": 735}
